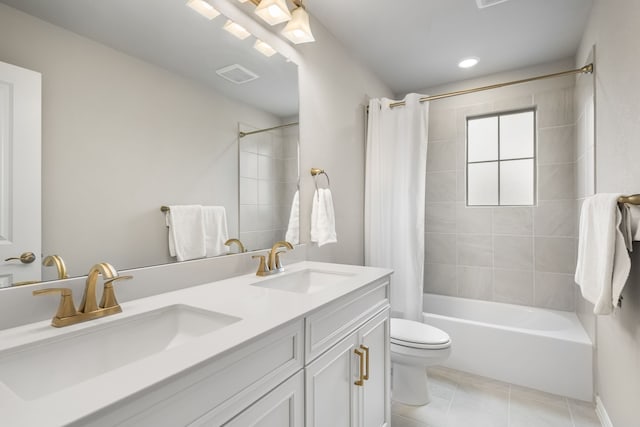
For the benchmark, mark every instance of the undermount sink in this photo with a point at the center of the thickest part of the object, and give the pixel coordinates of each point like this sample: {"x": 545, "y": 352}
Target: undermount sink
{"x": 306, "y": 281}
{"x": 40, "y": 368}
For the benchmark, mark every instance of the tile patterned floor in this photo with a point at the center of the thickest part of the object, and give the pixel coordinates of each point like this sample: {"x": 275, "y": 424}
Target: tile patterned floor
{"x": 459, "y": 399}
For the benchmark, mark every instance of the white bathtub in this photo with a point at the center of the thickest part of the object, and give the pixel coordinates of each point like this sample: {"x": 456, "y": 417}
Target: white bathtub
{"x": 547, "y": 350}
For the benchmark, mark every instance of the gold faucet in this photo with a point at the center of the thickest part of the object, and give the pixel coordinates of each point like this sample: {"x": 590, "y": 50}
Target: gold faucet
{"x": 274, "y": 264}
{"x": 59, "y": 263}
{"x": 241, "y": 247}
{"x": 89, "y": 309}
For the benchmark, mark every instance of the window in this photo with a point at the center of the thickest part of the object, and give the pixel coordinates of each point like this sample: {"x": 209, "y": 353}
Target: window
{"x": 501, "y": 159}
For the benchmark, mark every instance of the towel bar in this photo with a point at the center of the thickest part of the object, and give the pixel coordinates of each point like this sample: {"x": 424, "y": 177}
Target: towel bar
{"x": 164, "y": 208}
{"x": 632, "y": 200}
{"x": 317, "y": 171}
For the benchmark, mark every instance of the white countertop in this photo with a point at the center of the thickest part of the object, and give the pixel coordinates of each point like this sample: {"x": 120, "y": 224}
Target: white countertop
{"x": 261, "y": 310}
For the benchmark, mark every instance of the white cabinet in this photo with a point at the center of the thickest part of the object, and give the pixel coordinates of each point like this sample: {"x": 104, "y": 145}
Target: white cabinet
{"x": 281, "y": 407}
{"x": 349, "y": 384}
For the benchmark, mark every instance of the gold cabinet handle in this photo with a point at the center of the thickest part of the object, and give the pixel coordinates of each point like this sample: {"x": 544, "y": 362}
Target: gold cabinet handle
{"x": 25, "y": 258}
{"x": 366, "y": 355}
{"x": 360, "y": 380}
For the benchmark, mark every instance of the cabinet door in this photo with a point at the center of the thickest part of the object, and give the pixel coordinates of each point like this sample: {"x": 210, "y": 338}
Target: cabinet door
{"x": 375, "y": 394}
{"x": 331, "y": 396}
{"x": 282, "y": 407}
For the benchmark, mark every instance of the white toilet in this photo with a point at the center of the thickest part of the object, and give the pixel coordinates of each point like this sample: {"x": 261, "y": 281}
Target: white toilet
{"x": 414, "y": 346}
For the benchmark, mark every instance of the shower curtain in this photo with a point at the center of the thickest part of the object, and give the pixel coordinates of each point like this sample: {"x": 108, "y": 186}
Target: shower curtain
{"x": 396, "y": 162}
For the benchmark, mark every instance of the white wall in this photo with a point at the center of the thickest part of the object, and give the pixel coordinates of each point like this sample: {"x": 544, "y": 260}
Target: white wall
{"x": 122, "y": 137}
{"x": 334, "y": 88}
{"x": 613, "y": 28}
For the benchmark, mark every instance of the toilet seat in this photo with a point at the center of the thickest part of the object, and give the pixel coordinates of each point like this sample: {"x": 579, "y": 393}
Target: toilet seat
{"x": 412, "y": 334}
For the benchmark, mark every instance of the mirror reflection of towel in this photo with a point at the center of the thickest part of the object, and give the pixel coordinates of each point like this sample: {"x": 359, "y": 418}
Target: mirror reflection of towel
{"x": 293, "y": 229}
{"x": 186, "y": 232}
{"x": 323, "y": 222}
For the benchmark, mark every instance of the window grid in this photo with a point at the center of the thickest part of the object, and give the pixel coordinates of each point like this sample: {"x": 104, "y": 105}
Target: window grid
{"x": 499, "y": 160}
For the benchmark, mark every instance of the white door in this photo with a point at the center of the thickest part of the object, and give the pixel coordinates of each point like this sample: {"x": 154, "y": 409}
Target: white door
{"x": 20, "y": 136}
{"x": 375, "y": 395}
{"x": 330, "y": 393}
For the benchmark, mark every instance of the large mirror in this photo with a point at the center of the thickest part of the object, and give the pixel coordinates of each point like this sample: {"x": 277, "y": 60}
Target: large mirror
{"x": 136, "y": 115}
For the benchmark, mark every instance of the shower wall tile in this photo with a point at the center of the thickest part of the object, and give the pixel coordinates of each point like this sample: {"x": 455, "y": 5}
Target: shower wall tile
{"x": 555, "y": 218}
{"x": 441, "y": 218}
{"x": 556, "y": 182}
{"x": 513, "y": 286}
{"x": 556, "y": 291}
{"x": 473, "y": 220}
{"x": 440, "y": 279}
{"x": 513, "y": 252}
{"x": 475, "y": 282}
{"x": 442, "y": 124}
{"x": 440, "y": 248}
{"x": 513, "y": 220}
{"x": 555, "y": 254}
{"x": 475, "y": 250}
{"x": 556, "y": 145}
{"x": 441, "y": 156}
{"x": 555, "y": 108}
{"x": 496, "y": 253}
{"x": 441, "y": 187}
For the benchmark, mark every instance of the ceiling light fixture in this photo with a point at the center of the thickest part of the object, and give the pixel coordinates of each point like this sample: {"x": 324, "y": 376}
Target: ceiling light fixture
{"x": 468, "y": 62}
{"x": 298, "y": 30}
{"x": 273, "y": 11}
{"x": 203, "y": 8}
{"x": 264, "y": 48}
{"x": 236, "y": 29}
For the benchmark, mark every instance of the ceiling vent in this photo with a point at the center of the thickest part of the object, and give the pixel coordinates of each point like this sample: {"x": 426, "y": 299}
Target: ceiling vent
{"x": 237, "y": 74}
{"x": 486, "y": 3}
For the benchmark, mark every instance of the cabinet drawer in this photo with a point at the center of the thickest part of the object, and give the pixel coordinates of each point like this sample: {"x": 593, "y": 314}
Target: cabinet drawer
{"x": 330, "y": 324}
{"x": 264, "y": 363}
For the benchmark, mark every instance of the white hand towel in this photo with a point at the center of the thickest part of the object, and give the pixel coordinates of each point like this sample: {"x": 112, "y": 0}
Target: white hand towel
{"x": 630, "y": 224}
{"x": 603, "y": 261}
{"x": 215, "y": 230}
{"x": 293, "y": 229}
{"x": 323, "y": 223}
{"x": 186, "y": 232}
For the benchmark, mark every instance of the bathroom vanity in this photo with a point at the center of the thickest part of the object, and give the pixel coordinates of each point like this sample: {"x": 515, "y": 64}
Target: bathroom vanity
{"x": 309, "y": 346}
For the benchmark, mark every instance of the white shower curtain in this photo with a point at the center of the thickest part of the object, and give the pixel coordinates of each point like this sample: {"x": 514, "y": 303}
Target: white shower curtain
{"x": 396, "y": 162}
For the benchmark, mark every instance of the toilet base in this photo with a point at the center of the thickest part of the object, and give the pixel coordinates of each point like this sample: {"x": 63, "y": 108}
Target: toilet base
{"x": 410, "y": 385}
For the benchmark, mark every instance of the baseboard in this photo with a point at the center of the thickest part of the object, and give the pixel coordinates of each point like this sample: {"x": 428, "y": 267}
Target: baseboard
{"x": 601, "y": 412}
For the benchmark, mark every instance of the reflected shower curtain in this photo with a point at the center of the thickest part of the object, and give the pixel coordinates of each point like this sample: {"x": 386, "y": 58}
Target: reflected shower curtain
{"x": 396, "y": 162}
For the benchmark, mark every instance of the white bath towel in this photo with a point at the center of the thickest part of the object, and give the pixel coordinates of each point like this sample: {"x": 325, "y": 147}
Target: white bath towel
{"x": 603, "y": 261}
{"x": 186, "y": 232}
{"x": 323, "y": 222}
{"x": 293, "y": 229}
{"x": 215, "y": 230}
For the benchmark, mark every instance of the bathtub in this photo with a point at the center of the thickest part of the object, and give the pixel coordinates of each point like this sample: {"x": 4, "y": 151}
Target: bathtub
{"x": 547, "y": 350}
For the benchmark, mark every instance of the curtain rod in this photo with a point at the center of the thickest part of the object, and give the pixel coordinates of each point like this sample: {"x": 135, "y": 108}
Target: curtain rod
{"x": 587, "y": 69}
{"x": 243, "y": 134}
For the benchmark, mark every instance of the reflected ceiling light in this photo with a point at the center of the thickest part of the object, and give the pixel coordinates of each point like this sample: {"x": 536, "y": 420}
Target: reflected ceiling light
{"x": 264, "y": 48}
{"x": 236, "y": 29}
{"x": 298, "y": 30}
{"x": 242, "y": 1}
{"x": 273, "y": 11}
{"x": 203, "y": 8}
{"x": 468, "y": 62}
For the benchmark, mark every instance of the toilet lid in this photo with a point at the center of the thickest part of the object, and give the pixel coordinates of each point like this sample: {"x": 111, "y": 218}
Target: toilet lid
{"x": 412, "y": 332}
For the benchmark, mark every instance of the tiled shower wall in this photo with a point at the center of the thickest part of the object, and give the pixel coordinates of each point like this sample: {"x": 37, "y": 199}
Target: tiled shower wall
{"x": 268, "y": 181}
{"x": 521, "y": 255}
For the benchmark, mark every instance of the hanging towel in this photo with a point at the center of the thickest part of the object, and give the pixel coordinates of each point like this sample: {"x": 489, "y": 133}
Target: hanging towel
{"x": 603, "y": 261}
{"x": 215, "y": 230}
{"x": 186, "y": 232}
{"x": 323, "y": 222}
{"x": 293, "y": 229}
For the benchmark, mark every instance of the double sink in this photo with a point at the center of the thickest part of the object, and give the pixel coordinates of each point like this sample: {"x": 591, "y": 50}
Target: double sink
{"x": 82, "y": 354}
